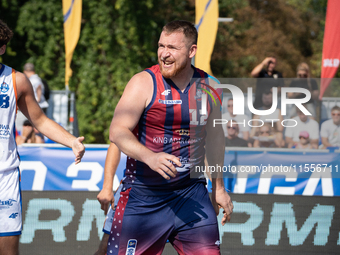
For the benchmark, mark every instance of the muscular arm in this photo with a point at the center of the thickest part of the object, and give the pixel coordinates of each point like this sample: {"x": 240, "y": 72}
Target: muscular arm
{"x": 30, "y": 108}
{"x": 105, "y": 196}
{"x": 136, "y": 97}
{"x": 215, "y": 156}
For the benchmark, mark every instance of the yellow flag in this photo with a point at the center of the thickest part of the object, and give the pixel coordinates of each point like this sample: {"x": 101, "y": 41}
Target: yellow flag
{"x": 72, "y": 20}
{"x": 206, "y": 24}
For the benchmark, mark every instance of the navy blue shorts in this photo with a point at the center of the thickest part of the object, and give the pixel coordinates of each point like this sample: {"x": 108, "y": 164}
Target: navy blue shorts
{"x": 143, "y": 223}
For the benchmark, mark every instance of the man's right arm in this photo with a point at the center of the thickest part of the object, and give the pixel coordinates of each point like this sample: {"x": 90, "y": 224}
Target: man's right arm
{"x": 105, "y": 196}
{"x": 256, "y": 71}
{"x": 137, "y": 95}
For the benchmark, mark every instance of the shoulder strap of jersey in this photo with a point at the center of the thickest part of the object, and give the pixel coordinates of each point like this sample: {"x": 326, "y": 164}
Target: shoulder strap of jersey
{"x": 15, "y": 88}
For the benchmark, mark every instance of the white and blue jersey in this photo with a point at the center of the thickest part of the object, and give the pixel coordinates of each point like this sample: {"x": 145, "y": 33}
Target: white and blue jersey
{"x": 9, "y": 159}
{"x": 10, "y": 193}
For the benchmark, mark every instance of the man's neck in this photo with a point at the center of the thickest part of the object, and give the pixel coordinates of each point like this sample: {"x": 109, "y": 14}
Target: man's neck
{"x": 183, "y": 78}
{"x": 231, "y": 137}
{"x": 270, "y": 72}
{"x": 29, "y": 74}
{"x": 305, "y": 120}
{"x": 232, "y": 115}
{"x": 336, "y": 123}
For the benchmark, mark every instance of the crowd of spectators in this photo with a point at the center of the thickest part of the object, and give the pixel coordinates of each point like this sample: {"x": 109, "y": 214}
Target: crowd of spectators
{"x": 267, "y": 131}
{"x": 307, "y": 134}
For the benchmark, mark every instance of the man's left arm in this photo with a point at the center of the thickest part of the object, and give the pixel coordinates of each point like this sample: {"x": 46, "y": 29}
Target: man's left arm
{"x": 215, "y": 147}
{"x": 31, "y": 109}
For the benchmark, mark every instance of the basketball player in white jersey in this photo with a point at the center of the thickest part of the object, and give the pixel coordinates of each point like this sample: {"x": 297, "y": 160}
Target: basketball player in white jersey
{"x": 16, "y": 92}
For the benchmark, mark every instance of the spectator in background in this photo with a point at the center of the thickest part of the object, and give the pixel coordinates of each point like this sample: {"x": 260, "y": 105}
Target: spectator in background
{"x": 266, "y": 138}
{"x": 266, "y": 69}
{"x": 330, "y": 129}
{"x": 29, "y": 134}
{"x": 274, "y": 119}
{"x": 304, "y": 80}
{"x": 38, "y": 85}
{"x": 244, "y": 129}
{"x": 232, "y": 140}
{"x": 304, "y": 123}
{"x": 304, "y": 142}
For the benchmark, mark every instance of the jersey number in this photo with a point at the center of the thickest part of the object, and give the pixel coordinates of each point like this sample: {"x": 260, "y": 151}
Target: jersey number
{"x": 4, "y": 101}
{"x": 193, "y": 118}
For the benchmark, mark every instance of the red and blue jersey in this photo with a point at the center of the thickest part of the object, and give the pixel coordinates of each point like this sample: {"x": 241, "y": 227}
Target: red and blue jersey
{"x": 172, "y": 123}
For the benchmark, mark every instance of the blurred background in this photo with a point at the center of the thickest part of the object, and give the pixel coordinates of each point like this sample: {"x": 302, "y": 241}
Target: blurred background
{"x": 119, "y": 38}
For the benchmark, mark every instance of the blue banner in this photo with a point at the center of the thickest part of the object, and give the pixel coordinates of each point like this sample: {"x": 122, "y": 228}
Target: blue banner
{"x": 53, "y": 168}
{"x": 281, "y": 172}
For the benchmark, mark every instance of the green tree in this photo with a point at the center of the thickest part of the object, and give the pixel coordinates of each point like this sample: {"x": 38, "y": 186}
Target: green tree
{"x": 40, "y": 24}
{"x": 15, "y": 53}
{"x": 119, "y": 38}
{"x": 263, "y": 28}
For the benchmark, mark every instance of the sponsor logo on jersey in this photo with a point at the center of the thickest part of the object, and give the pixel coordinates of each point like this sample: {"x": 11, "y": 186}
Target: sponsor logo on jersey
{"x": 169, "y": 101}
{"x": 166, "y": 92}
{"x": 4, "y": 87}
{"x": 5, "y": 132}
{"x": 131, "y": 247}
{"x": 198, "y": 94}
{"x": 13, "y": 215}
{"x": 218, "y": 243}
{"x": 183, "y": 132}
{"x": 4, "y": 101}
{"x": 4, "y": 204}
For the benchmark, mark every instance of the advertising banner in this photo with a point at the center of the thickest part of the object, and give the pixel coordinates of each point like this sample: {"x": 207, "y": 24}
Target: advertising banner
{"x": 331, "y": 40}
{"x": 281, "y": 172}
{"x": 64, "y": 222}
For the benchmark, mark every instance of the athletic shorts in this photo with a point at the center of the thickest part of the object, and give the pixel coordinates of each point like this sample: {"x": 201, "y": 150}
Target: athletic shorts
{"x": 111, "y": 212}
{"x": 10, "y": 203}
{"x": 143, "y": 223}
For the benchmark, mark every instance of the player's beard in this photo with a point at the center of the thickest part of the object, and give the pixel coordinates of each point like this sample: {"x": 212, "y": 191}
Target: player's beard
{"x": 173, "y": 71}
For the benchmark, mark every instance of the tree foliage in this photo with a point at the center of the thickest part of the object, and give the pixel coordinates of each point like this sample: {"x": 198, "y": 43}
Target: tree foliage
{"x": 291, "y": 31}
{"x": 119, "y": 38}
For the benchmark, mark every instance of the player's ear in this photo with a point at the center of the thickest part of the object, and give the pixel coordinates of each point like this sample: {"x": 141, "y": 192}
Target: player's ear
{"x": 192, "y": 51}
{"x": 2, "y": 49}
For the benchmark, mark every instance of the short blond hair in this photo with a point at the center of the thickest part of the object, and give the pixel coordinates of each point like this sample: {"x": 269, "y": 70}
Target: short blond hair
{"x": 303, "y": 67}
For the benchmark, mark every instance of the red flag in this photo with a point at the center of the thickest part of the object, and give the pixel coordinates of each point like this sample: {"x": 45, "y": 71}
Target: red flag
{"x": 331, "y": 45}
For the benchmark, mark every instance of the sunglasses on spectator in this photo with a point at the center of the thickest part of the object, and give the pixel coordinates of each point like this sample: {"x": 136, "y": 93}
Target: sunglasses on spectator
{"x": 264, "y": 132}
{"x": 230, "y": 105}
{"x": 302, "y": 137}
{"x": 335, "y": 114}
{"x": 232, "y": 128}
{"x": 302, "y": 75}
